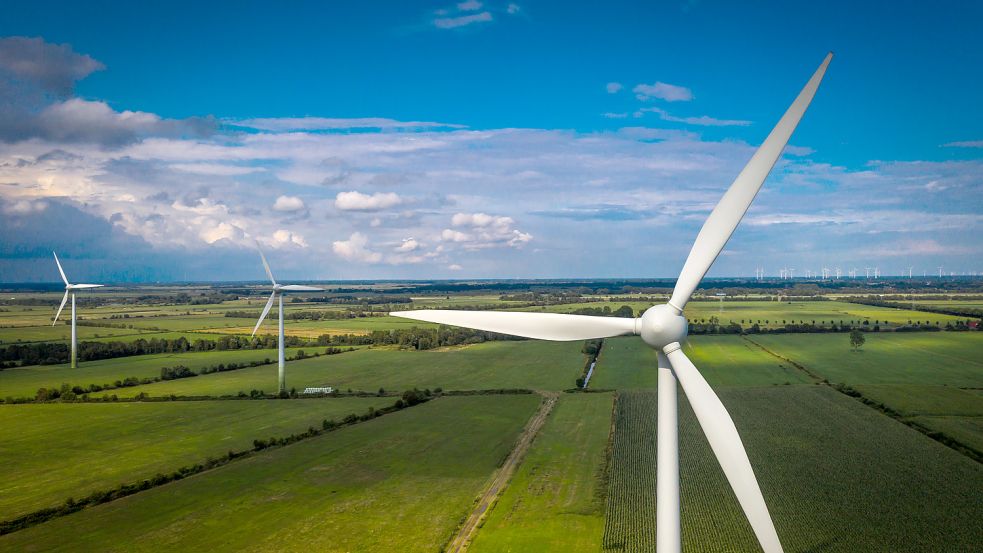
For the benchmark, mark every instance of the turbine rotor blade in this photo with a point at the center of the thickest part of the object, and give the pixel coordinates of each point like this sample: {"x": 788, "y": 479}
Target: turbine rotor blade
{"x": 299, "y": 288}
{"x": 266, "y": 265}
{"x": 60, "y": 307}
{"x": 727, "y": 447}
{"x": 542, "y": 326}
{"x": 77, "y": 286}
{"x": 266, "y": 311}
{"x": 60, "y": 270}
{"x": 725, "y": 217}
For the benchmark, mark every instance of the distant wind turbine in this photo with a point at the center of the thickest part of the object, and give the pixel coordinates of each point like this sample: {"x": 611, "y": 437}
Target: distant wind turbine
{"x": 278, "y": 290}
{"x": 70, "y": 290}
{"x": 664, "y": 328}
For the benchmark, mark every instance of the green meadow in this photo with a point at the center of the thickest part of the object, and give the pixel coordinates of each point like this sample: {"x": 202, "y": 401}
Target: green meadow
{"x": 555, "y": 500}
{"x": 51, "y": 452}
{"x": 401, "y": 482}
{"x": 526, "y": 364}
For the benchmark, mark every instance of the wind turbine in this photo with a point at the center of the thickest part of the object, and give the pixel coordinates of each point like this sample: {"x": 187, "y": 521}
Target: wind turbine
{"x": 663, "y": 327}
{"x": 70, "y": 290}
{"x": 278, "y": 290}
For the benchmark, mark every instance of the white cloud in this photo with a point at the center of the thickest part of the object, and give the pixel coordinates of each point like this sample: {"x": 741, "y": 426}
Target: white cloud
{"x": 455, "y": 267}
{"x": 356, "y": 201}
{"x": 469, "y": 6}
{"x": 281, "y": 124}
{"x": 610, "y": 115}
{"x": 614, "y": 88}
{"x": 484, "y": 231}
{"x": 24, "y": 207}
{"x": 702, "y": 120}
{"x": 965, "y": 144}
{"x": 663, "y": 91}
{"x": 284, "y": 237}
{"x": 288, "y": 204}
{"x": 462, "y": 21}
{"x": 513, "y": 9}
{"x": 222, "y": 231}
{"x": 356, "y": 249}
{"x": 408, "y": 245}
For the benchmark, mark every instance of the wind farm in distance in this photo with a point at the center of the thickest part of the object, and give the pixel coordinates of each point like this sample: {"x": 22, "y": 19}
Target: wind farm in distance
{"x": 491, "y": 277}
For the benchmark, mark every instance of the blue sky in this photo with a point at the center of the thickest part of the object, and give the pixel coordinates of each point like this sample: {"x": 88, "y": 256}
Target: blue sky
{"x": 482, "y": 139}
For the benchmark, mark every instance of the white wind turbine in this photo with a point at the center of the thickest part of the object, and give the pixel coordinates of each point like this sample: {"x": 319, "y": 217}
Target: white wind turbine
{"x": 278, "y": 290}
{"x": 663, "y": 327}
{"x": 70, "y": 290}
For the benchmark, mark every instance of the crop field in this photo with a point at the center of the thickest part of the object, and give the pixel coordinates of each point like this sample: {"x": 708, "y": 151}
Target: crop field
{"x": 25, "y": 381}
{"x": 400, "y": 482}
{"x": 51, "y": 452}
{"x": 772, "y": 314}
{"x": 812, "y": 449}
{"x": 555, "y": 500}
{"x": 526, "y": 364}
{"x": 627, "y": 363}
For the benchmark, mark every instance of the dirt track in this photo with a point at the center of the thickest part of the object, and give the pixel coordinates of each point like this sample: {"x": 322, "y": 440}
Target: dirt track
{"x": 467, "y": 530}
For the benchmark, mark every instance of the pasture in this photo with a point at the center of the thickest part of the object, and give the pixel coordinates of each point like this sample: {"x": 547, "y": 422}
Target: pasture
{"x": 51, "y": 452}
{"x": 555, "y": 500}
{"x": 396, "y": 483}
{"x": 526, "y": 364}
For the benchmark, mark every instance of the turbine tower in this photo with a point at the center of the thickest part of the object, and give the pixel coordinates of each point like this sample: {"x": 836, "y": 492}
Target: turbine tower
{"x": 278, "y": 290}
{"x": 70, "y": 290}
{"x": 664, "y": 328}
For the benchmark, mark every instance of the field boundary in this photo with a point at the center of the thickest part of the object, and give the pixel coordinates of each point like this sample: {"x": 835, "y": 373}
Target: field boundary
{"x": 940, "y": 437}
{"x": 486, "y": 501}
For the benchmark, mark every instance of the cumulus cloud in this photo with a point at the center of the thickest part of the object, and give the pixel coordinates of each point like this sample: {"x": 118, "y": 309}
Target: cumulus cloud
{"x": 408, "y": 245}
{"x": 663, "y": 91}
{"x": 484, "y": 231}
{"x": 289, "y": 204}
{"x": 356, "y": 249}
{"x": 53, "y": 67}
{"x": 356, "y": 201}
{"x": 613, "y": 88}
{"x": 513, "y": 9}
{"x": 283, "y": 237}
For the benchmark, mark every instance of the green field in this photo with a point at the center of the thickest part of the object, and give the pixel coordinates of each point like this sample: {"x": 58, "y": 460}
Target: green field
{"x": 25, "y": 381}
{"x": 526, "y": 364}
{"x": 813, "y": 451}
{"x": 628, "y": 363}
{"x": 555, "y": 500}
{"x": 51, "y": 452}
{"x": 401, "y": 482}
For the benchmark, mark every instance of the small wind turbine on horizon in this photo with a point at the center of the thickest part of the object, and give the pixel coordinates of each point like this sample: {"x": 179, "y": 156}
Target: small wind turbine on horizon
{"x": 70, "y": 290}
{"x": 664, "y": 328}
{"x": 278, "y": 290}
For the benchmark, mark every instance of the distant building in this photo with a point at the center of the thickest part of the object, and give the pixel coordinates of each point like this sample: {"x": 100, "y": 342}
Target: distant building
{"x": 324, "y": 390}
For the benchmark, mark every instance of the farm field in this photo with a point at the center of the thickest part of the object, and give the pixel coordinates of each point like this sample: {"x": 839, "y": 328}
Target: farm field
{"x": 627, "y": 363}
{"x": 772, "y": 314}
{"x": 51, "y": 452}
{"x": 397, "y": 483}
{"x": 933, "y": 358}
{"x": 812, "y": 449}
{"x": 525, "y": 364}
{"x": 25, "y": 381}
{"x": 555, "y": 500}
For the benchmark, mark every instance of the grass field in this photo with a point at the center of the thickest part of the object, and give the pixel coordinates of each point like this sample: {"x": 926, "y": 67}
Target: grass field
{"x": 52, "y": 452}
{"x": 935, "y": 358}
{"x": 628, "y": 363}
{"x": 527, "y": 364}
{"x": 555, "y": 502}
{"x": 25, "y": 381}
{"x": 397, "y": 483}
{"x": 813, "y": 451}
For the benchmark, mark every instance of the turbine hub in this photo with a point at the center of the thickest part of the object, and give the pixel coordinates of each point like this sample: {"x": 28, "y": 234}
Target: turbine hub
{"x": 661, "y": 326}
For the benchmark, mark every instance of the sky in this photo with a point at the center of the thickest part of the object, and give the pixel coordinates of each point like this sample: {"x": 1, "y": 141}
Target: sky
{"x": 479, "y": 139}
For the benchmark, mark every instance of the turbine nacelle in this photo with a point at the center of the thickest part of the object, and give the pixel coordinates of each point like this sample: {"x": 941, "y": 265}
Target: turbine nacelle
{"x": 662, "y": 325}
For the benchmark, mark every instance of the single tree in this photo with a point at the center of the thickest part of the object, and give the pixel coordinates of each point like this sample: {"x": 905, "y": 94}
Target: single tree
{"x": 857, "y": 339}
